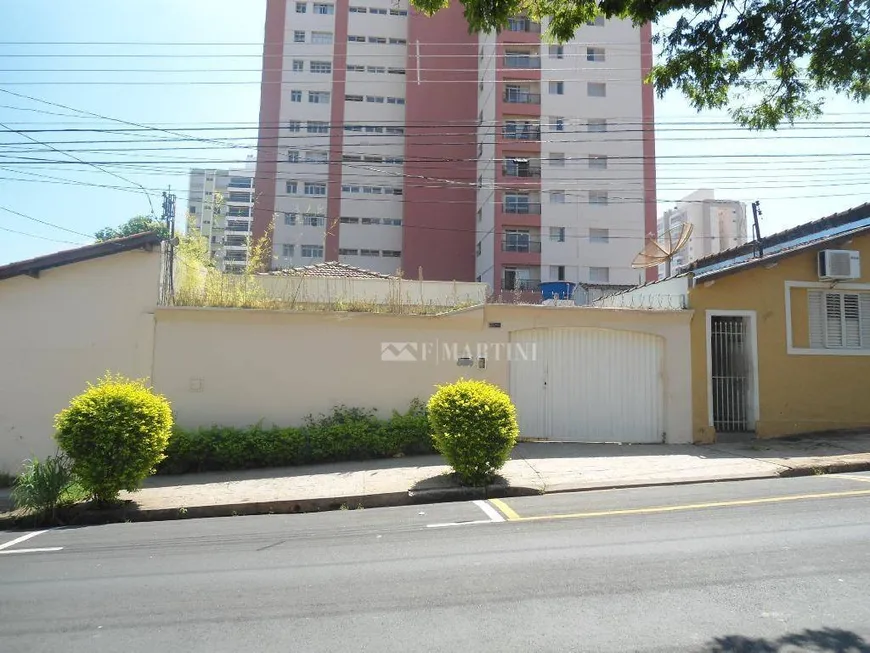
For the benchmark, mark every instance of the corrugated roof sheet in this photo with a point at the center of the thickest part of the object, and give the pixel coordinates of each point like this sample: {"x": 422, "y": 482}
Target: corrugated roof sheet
{"x": 330, "y": 269}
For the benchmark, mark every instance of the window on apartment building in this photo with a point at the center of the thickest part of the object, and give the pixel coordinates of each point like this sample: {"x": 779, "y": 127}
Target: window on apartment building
{"x": 557, "y": 51}
{"x": 287, "y": 250}
{"x": 598, "y": 197}
{"x": 480, "y": 215}
{"x": 349, "y": 220}
{"x": 324, "y": 9}
{"x": 599, "y": 275}
{"x": 357, "y": 10}
{"x": 596, "y": 125}
{"x": 294, "y": 156}
{"x": 839, "y": 320}
{"x": 290, "y": 219}
{"x": 318, "y": 97}
{"x": 391, "y": 253}
{"x": 350, "y": 188}
{"x": 299, "y": 36}
{"x": 348, "y": 252}
{"x": 398, "y": 42}
{"x": 557, "y": 234}
{"x": 395, "y": 71}
{"x": 353, "y": 98}
{"x": 296, "y": 96}
{"x": 378, "y": 99}
{"x": 599, "y": 236}
{"x": 557, "y": 197}
{"x": 376, "y": 69}
{"x": 298, "y": 65}
{"x": 598, "y": 22}
{"x": 355, "y": 68}
{"x": 598, "y": 162}
{"x": 595, "y": 54}
{"x": 370, "y": 221}
{"x": 392, "y": 222}
{"x": 398, "y": 12}
{"x": 374, "y": 129}
{"x": 294, "y": 125}
{"x": 317, "y": 156}
{"x": 558, "y": 124}
{"x": 292, "y": 187}
{"x": 192, "y": 210}
{"x": 370, "y": 252}
{"x": 480, "y": 181}
{"x": 372, "y": 190}
{"x": 317, "y": 127}
{"x": 378, "y": 11}
{"x": 377, "y": 39}
{"x": 557, "y": 273}
{"x": 312, "y": 251}
{"x": 479, "y": 249}
{"x": 395, "y": 190}
{"x": 313, "y": 219}
{"x": 322, "y": 67}
{"x": 557, "y": 88}
{"x": 301, "y": 7}
{"x": 356, "y": 39}
{"x": 240, "y": 182}
{"x": 315, "y": 188}
{"x": 557, "y": 159}
{"x": 395, "y": 100}
{"x": 239, "y": 197}
{"x": 321, "y": 38}
{"x": 349, "y": 158}
{"x": 596, "y": 89}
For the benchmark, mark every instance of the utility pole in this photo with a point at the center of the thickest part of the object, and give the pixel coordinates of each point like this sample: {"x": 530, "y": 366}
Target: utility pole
{"x": 756, "y": 213}
{"x": 169, "y": 218}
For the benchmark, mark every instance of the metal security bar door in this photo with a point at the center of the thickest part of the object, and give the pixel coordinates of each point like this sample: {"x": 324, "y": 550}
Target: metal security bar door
{"x": 731, "y": 381}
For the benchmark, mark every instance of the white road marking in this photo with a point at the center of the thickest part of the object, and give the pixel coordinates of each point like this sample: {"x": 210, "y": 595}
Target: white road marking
{"x": 461, "y": 523}
{"x": 489, "y": 511}
{"x": 43, "y": 550}
{"x": 17, "y": 540}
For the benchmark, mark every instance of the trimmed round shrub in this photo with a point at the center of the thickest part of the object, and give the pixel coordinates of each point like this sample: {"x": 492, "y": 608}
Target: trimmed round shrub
{"x": 115, "y": 433}
{"x": 474, "y": 426}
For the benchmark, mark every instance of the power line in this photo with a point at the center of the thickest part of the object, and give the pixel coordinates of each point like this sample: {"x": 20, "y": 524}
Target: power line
{"x": 29, "y": 235}
{"x": 43, "y": 222}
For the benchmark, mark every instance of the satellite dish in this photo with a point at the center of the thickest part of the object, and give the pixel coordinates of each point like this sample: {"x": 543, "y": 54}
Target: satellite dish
{"x": 664, "y": 248}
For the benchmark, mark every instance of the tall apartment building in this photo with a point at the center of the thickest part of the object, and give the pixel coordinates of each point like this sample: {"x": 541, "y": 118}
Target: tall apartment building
{"x": 390, "y": 140}
{"x": 717, "y": 225}
{"x": 221, "y": 205}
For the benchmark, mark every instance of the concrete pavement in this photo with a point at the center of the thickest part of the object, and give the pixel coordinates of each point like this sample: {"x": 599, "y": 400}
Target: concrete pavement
{"x": 783, "y": 568}
{"x": 534, "y": 468}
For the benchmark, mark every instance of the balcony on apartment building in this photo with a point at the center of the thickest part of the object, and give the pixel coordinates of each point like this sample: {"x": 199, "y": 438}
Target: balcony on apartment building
{"x": 238, "y": 226}
{"x": 518, "y": 129}
{"x": 519, "y": 278}
{"x": 522, "y": 58}
{"x": 521, "y": 167}
{"x": 523, "y": 24}
{"x": 521, "y": 241}
{"x": 522, "y": 94}
{"x": 521, "y": 203}
{"x": 235, "y": 241}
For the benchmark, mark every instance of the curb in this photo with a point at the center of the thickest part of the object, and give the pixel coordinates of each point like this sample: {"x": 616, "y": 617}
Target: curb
{"x": 131, "y": 513}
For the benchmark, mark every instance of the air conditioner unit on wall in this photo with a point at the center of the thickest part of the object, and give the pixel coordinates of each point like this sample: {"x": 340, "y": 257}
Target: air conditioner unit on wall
{"x": 837, "y": 264}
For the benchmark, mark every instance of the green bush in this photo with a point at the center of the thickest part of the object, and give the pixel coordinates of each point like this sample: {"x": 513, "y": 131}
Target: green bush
{"x": 115, "y": 433}
{"x": 44, "y": 486}
{"x": 344, "y": 434}
{"x": 474, "y": 426}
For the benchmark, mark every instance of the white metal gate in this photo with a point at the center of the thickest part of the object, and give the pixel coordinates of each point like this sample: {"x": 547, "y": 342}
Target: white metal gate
{"x": 589, "y": 385}
{"x": 730, "y": 373}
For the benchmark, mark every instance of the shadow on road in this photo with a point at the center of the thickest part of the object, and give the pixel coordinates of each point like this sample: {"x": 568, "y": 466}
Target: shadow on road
{"x": 826, "y": 640}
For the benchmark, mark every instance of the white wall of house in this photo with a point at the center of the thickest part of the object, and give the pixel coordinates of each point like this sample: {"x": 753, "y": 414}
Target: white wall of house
{"x": 64, "y": 329}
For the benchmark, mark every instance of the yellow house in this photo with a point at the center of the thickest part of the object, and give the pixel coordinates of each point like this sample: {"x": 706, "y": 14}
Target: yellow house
{"x": 781, "y": 332}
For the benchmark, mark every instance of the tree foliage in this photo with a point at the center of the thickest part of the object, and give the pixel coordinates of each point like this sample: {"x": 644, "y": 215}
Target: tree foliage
{"x": 766, "y": 61}
{"x": 139, "y": 224}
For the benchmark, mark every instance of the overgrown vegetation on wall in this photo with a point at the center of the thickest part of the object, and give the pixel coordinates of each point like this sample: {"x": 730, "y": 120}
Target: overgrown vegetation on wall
{"x": 344, "y": 434}
{"x": 200, "y": 283}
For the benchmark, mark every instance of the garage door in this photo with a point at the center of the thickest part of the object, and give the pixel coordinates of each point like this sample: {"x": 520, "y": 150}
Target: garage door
{"x": 588, "y": 385}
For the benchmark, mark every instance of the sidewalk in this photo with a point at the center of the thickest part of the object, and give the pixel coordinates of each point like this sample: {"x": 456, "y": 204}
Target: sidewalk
{"x": 534, "y": 468}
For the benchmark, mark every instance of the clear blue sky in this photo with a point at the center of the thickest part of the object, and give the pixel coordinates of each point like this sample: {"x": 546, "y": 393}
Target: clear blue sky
{"x": 792, "y": 190}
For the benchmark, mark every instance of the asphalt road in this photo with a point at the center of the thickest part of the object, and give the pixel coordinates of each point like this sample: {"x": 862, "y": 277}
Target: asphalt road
{"x": 769, "y": 566}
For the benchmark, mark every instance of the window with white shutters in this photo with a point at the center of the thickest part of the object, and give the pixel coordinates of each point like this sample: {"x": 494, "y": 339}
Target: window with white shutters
{"x": 839, "y": 320}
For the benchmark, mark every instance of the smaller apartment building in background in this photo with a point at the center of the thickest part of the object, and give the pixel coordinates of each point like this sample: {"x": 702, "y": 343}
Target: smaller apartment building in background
{"x": 717, "y": 225}
{"x": 221, "y": 204}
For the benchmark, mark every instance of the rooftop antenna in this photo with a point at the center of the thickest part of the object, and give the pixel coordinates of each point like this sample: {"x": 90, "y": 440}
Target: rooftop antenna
{"x": 664, "y": 248}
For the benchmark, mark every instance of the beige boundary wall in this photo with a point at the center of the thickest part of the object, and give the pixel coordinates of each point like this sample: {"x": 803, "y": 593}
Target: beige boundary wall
{"x": 63, "y": 329}
{"x": 236, "y": 367}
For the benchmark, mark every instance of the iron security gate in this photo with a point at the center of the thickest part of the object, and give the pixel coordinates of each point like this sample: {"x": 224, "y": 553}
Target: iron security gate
{"x": 731, "y": 380}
